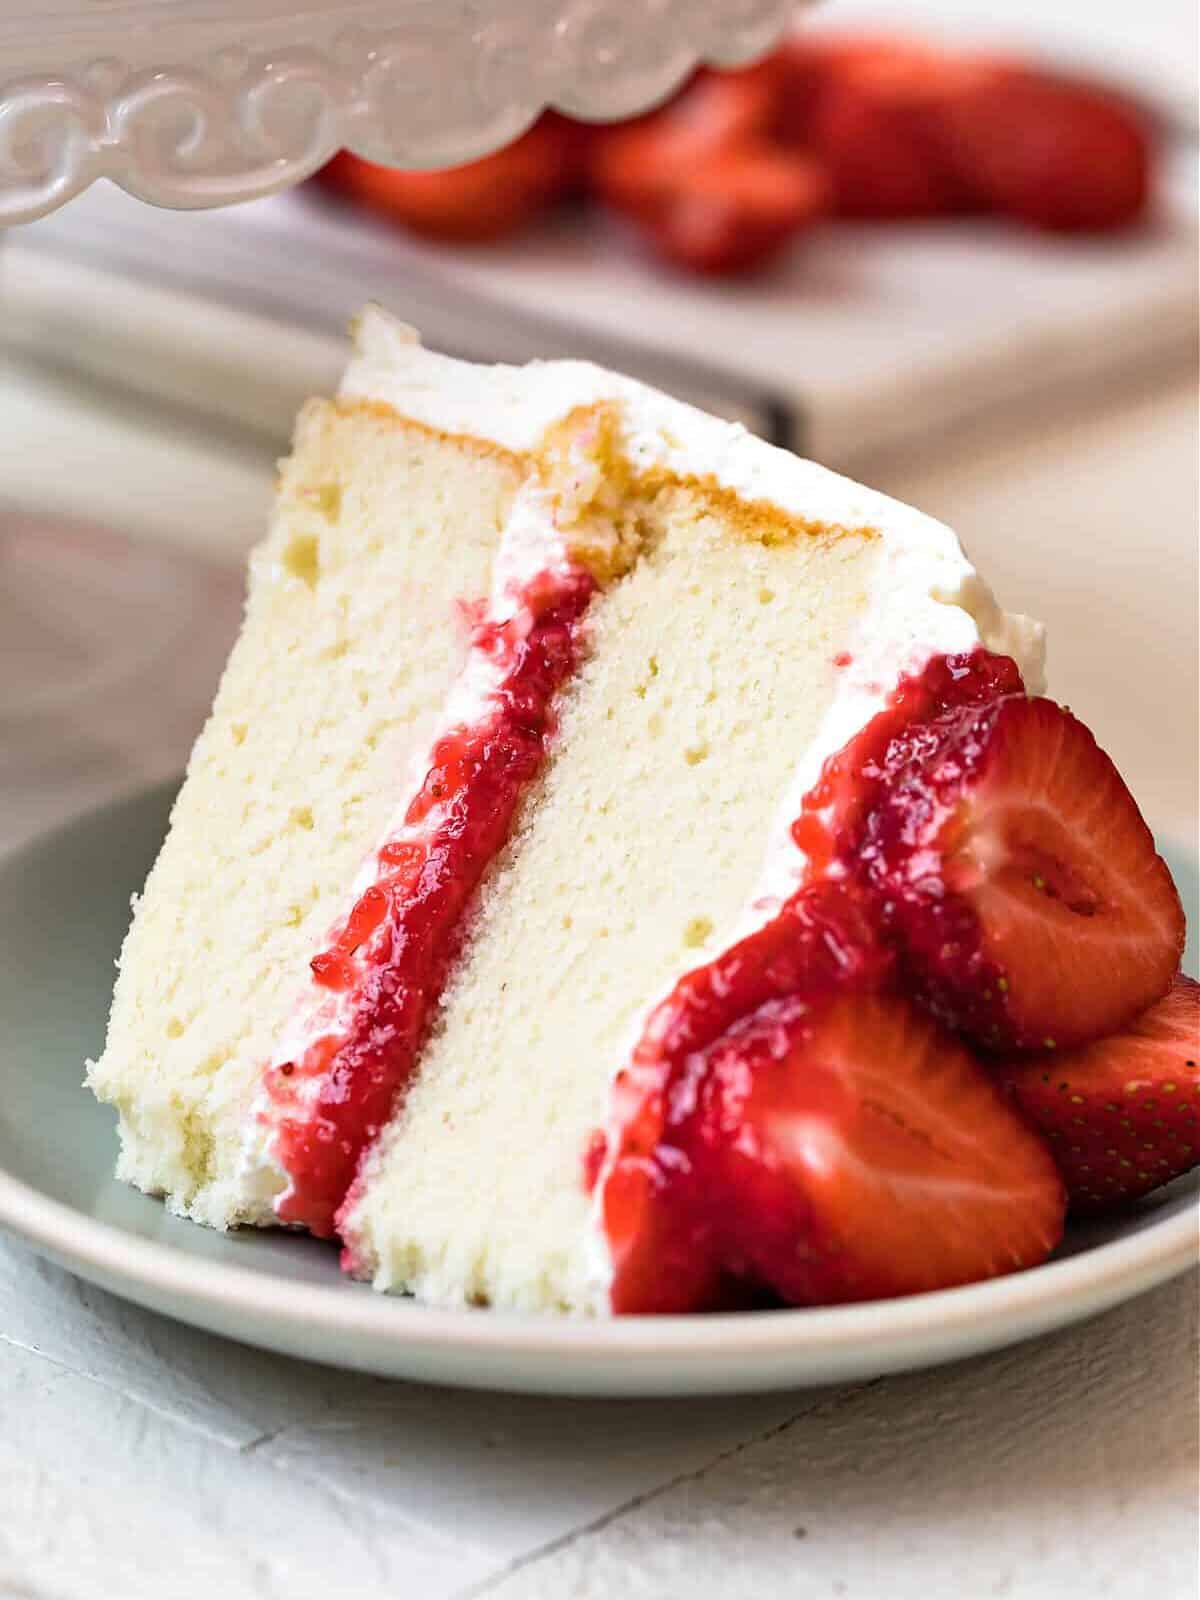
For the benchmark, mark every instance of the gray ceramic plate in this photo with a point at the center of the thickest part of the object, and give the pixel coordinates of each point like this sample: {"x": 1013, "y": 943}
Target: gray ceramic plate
{"x": 64, "y": 904}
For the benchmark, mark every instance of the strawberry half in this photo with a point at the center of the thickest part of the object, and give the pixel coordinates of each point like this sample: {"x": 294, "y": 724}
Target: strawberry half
{"x": 1122, "y": 1115}
{"x": 854, "y": 1151}
{"x": 1021, "y": 881}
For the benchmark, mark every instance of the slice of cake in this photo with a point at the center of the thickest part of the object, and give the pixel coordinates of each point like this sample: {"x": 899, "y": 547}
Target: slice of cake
{"x": 613, "y": 842}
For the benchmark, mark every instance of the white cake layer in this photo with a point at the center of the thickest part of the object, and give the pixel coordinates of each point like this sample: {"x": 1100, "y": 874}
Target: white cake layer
{"x": 351, "y": 640}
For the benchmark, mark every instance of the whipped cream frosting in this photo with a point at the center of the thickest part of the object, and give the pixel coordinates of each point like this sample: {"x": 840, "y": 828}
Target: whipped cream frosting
{"x": 926, "y": 598}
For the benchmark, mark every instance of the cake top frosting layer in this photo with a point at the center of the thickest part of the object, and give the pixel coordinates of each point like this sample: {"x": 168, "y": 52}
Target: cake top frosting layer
{"x": 513, "y": 407}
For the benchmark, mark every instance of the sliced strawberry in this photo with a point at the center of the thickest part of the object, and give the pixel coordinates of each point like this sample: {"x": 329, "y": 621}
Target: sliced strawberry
{"x": 1058, "y": 154}
{"x": 1122, "y": 1115}
{"x": 1021, "y": 881}
{"x": 836, "y": 810}
{"x": 854, "y": 1151}
{"x": 667, "y": 1264}
{"x": 878, "y": 172}
{"x": 482, "y": 200}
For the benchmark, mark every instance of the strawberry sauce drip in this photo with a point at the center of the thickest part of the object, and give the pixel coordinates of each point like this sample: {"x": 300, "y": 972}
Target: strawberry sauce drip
{"x": 657, "y": 1210}
{"x": 388, "y": 962}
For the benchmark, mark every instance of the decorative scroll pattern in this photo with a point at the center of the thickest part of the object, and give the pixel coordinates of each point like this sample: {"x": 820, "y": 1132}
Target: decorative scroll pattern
{"x": 461, "y": 79}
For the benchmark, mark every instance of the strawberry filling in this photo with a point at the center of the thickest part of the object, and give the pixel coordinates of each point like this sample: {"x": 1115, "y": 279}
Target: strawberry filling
{"x": 383, "y": 970}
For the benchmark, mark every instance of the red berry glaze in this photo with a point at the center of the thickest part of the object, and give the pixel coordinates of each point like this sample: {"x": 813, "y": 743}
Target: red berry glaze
{"x": 818, "y": 945}
{"x": 1122, "y": 1115}
{"x": 392, "y": 953}
{"x": 834, "y": 812}
{"x": 1016, "y": 872}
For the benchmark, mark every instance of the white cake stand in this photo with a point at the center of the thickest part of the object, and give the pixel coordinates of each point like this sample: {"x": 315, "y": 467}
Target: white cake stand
{"x": 195, "y": 103}
{"x": 191, "y": 103}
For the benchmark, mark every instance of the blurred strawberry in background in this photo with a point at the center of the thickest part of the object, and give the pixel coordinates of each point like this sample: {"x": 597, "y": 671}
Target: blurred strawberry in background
{"x": 875, "y": 121}
{"x": 707, "y": 180}
{"x": 1057, "y": 154}
{"x": 471, "y": 204}
{"x": 738, "y": 164}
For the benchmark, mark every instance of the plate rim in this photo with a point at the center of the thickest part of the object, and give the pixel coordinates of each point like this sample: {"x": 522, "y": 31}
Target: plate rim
{"x": 1088, "y": 1280}
{"x": 637, "y": 1355}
